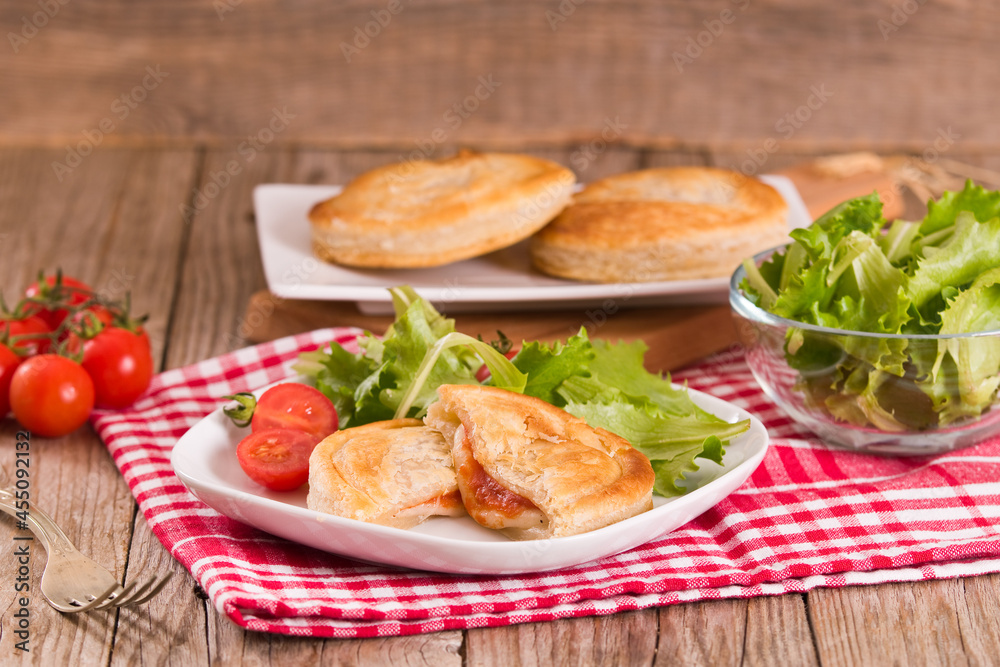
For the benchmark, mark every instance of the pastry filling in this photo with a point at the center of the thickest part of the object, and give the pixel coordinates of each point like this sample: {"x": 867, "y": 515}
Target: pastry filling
{"x": 491, "y": 495}
{"x": 490, "y": 503}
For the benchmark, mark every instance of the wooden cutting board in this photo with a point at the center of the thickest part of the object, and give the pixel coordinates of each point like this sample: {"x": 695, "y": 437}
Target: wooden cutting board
{"x": 676, "y": 335}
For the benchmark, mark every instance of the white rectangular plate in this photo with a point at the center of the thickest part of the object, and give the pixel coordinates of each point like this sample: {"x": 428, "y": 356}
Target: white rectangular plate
{"x": 502, "y": 280}
{"x": 205, "y": 461}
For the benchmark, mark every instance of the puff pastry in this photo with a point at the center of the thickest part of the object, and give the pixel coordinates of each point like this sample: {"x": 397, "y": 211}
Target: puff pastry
{"x": 431, "y": 212}
{"x": 395, "y": 473}
{"x": 532, "y": 470}
{"x": 679, "y": 223}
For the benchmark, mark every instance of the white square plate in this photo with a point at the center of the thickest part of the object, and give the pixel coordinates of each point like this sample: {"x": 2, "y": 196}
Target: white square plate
{"x": 205, "y": 461}
{"x": 502, "y": 280}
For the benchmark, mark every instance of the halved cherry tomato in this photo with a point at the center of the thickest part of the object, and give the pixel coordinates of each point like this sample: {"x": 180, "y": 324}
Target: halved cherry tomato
{"x": 70, "y": 291}
{"x": 296, "y": 406}
{"x": 277, "y": 458}
{"x": 9, "y": 361}
{"x": 51, "y": 395}
{"x": 120, "y": 364}
{"x": 27, "y": 335}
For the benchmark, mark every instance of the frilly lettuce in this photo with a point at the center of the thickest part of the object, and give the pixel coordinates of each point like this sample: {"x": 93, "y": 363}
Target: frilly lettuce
{"x": 605, "y": 384}
{"x": 852, "y": 271}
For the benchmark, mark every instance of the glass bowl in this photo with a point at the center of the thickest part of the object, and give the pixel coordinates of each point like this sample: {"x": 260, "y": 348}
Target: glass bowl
{"x": 818, "y": 376}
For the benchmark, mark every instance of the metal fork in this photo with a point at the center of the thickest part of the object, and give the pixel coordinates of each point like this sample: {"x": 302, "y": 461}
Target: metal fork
{"x": 72, "y": 582}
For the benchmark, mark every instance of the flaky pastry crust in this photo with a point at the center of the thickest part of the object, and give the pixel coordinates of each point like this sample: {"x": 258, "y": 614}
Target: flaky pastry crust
{"x": 394, "y": 473}
{"x": 679, "y": 223}
{"x": 532, "y": 470}
{"x": 431, "y": 212}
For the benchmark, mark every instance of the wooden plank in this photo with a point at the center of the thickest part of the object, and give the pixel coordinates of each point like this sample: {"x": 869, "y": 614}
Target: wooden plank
{"x": 978, "y": 620}
{"x": 620, "y": 639}
{"x": 704, "y": 633}
{"x": 85, "y": 224}
{"x": 230, "y": 645}
{"x": 914, "y": 623}
{"x": 757, "y": 631}
{"x": 221, "y": 266}
{"x": 778, "y": 632}
{"x": 672, "y": 73}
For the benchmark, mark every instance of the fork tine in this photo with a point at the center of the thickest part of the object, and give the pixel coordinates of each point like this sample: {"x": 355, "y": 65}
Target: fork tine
{"x": 154, "y": 586}
{"x": 111, "y": 599}
{"x": 75, "y": 606}
{"x": 133, "y": 590}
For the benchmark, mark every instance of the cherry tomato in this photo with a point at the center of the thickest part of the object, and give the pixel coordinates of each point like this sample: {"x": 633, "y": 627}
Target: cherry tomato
{"x": 9, "y": 361}
{"x": 27, "y": 328}
{"x": 120, "y": 364}
{"x": 51, "y": 395}
{"x": 277, "y": 458}
{"x": 296, "y": 406}
{"x": 73, "y": 293}
{"x": 84, "y": 323}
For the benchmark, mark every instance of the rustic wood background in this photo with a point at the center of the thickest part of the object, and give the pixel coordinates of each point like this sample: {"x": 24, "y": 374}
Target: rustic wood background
{"x": 673, "y": 74}
{"x": 102, "y": 193}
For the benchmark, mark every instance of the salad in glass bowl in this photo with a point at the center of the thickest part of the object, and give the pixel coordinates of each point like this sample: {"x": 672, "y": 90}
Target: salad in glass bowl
{"x": 882, "y": 337}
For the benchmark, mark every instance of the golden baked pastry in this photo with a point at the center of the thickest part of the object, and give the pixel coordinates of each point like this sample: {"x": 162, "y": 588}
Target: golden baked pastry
{"x": 532, "y": 470}
{"x": 394, "y": 473}
{"x": 678, "y": 223}
{"x": 428, "y": 213}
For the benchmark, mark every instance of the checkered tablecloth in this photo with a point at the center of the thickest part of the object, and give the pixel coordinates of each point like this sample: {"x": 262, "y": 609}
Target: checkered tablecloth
{"x": 808, "y": 517}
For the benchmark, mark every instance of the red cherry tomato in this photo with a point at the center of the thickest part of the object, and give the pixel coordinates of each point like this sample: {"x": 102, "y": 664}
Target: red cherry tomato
{"x": 24, "y": 334}
{"x": 9, "y": 362}
{"x": 84, "y": 322}
{"x": 277, "y": 458}
{"x": 51, "y": 395}
{"x": 120, "y": 364}
{"x": 296, "y": 406}
{"x": 72, "y": 292}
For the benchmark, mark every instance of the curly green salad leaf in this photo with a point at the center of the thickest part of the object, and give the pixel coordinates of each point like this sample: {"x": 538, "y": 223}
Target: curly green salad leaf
{"x": 605, "y": 384}
{"x": 851, "y": 270}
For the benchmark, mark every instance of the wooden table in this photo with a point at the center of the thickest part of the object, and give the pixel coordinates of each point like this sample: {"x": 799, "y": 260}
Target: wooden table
{"x": 130, "y": 218}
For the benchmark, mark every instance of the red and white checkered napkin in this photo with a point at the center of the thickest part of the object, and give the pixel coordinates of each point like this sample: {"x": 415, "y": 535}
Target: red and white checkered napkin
{"x": 810, "y": 516}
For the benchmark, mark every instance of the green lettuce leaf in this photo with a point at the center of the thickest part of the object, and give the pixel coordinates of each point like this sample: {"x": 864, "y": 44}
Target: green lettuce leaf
{"x": 972, "y": 248}
{"x": 983, "y": 204}
{"x": 977, "y": 360}
{"x": 548, "y": 365}
{"x": 861, "y": 214}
